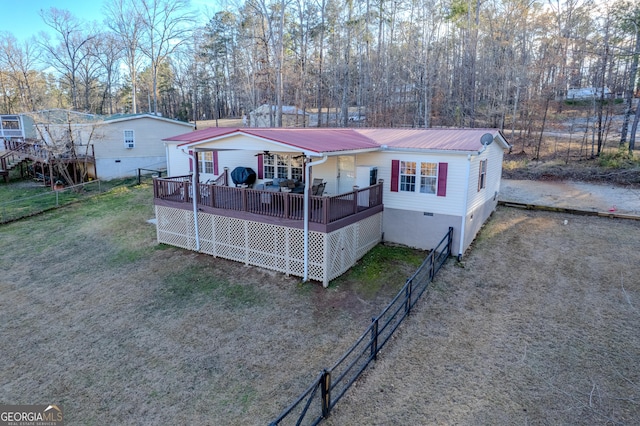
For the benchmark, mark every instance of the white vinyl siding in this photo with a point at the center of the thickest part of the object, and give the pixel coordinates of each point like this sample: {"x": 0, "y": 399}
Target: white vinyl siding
{"x": 114, "y": 160}
{"x": 493, "y": 157}
{"x": 452, "y": 204}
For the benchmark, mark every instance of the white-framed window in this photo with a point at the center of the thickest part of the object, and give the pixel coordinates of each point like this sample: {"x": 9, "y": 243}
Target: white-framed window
{"x": 129, "y": 139}
{"x": 282, "y": 162}
{"x": 428, "y": 178}
{"x": 424, "y": 177}
{"x": 268, "y": 166}
{"x": 282, "y": 166}
{"x": 205, "y": 162}
{"x": 297, "y": 168}
{"x": 482, "y": 175}
{"x": 408, "y": 176}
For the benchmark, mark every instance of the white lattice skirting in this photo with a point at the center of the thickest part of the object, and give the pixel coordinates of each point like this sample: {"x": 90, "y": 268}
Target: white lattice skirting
{"x": 270, "y": 246}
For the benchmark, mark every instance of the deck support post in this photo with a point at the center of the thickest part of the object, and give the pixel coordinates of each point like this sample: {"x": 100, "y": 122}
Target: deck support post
{"x": 305, "y": 220}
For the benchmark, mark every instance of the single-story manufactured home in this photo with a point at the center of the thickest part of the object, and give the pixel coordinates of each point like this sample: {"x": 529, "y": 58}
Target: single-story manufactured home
{"x": 311, "y": 202}
{"x": 127, "y": 142}
{"x": 115, "y": 146}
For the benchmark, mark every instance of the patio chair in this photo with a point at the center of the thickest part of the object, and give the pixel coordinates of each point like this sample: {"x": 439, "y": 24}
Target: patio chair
{"x": 317, "y": 189}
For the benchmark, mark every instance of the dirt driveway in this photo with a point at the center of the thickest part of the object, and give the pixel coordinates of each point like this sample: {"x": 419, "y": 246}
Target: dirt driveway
{"x": 573, "y": 194}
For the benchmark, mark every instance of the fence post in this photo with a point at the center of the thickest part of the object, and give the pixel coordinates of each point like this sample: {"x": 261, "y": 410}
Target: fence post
{"x": 325, "y": 390}
{"x": 139, "y": 176}
{"x": 374, "y": 339}
{"x": 407, "y": 292}
{"x": 432, "y": 270}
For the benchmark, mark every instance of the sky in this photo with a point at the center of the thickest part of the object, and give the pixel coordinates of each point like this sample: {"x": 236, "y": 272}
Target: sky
{"x": 21, "y": 18}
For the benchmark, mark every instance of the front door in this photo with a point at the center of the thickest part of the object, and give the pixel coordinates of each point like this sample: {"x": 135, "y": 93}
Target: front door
{"x": 346, "y": 173}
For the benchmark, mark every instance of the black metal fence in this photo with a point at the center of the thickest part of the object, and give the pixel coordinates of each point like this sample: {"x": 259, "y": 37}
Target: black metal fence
{"x": 149, "y": 174}
{"x": 317, "y": 400}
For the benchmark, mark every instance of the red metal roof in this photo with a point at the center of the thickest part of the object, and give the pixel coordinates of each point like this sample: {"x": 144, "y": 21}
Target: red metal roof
{"x": 326, "y": 140}
{"x": 316, "y": 140}
{"x": 429, "y": 139}
{"x": 201, "y": 135}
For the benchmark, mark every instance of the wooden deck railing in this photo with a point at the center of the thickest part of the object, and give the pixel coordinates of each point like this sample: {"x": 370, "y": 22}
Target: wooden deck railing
{"x": 285, "y": 205}
{"x": 44, "y": 153}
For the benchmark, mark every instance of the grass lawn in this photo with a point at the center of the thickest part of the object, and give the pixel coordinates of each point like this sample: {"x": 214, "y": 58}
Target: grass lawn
{"x": 106, "y": 322}
{"x": 25, "y": 197}
{"x": 537, "y": 325}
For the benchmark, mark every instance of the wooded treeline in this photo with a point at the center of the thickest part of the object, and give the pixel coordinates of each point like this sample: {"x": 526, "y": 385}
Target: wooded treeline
{"x": 419, "y": 63}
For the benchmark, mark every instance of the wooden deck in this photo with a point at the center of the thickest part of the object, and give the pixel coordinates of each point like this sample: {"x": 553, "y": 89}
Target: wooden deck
{"x": 326, "y": 212}
{"x": 43, "y": 157}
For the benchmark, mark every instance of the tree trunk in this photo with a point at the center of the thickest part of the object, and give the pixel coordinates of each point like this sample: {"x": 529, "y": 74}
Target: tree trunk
{"x": 630, "y": 89}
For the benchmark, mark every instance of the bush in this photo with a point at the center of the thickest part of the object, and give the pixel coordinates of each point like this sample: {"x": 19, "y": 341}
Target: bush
{"x": 622, "y": 158}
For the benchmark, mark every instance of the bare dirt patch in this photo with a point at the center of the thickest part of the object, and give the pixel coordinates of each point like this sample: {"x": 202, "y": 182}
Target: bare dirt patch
{"x": 537, "y": 326}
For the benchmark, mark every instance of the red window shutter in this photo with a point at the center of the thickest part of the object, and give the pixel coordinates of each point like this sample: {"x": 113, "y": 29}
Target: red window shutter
{"x": 395, "y": 175}
{"x": 190, "y": 161}
{"x": 442, "y": 179}
{"x": 215, "y": 163}
{"x": 260, "y": 166}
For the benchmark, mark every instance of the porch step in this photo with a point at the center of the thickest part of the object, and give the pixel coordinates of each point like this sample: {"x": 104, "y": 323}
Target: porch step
{"x": 9, "y": 160}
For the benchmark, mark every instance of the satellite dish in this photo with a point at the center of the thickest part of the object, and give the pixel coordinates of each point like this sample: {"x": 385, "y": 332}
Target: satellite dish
{"x": 486, "y": 139}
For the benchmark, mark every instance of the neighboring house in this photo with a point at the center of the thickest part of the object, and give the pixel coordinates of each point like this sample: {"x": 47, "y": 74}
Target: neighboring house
{"x": 265, "y": 116}
{"x": 588, "y": 93}
{"x": 16, "y": 126}
{"x": 125, "y": 143}
{"x": 13, "y": 130}
{"x": 117, "y": 145}
{"x": 406, "y": 186}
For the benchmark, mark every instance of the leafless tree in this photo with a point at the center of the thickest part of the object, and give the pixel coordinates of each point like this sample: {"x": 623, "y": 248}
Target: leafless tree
{"x": 126, "y": 23}
{"x": 108, "y": 52}
{"x": 20, "y": 63}
{"x": 628, "y": 17}
{"x": 67, "y": 52}
{"x": 166, "y": 25}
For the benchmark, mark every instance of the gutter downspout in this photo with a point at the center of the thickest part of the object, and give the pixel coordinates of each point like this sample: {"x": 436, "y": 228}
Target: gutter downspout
{"x": 166, "y": 155}
{"x": 193, "y": 197}
{"x": 307, "y": 187}
{"x": 464, "y": 214}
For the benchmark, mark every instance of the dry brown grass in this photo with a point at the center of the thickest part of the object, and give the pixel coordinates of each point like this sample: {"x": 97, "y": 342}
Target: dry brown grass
{"x": 223, "y": 122}
{"x": 538, "y": 326}
{"x": 99, "y": 318}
